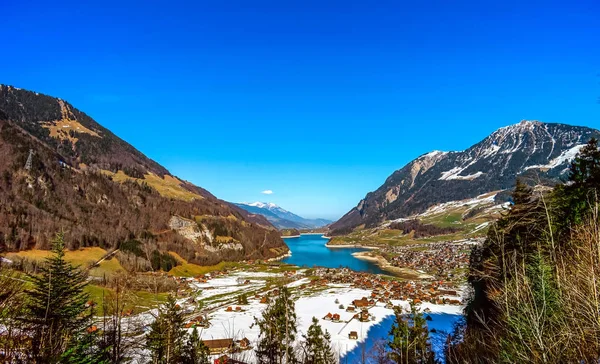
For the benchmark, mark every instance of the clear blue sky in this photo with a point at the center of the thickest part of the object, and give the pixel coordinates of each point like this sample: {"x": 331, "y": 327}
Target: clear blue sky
{"x": 318, "y": 101}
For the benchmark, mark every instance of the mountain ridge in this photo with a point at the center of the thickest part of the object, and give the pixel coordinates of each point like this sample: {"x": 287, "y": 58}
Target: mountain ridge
{"x": 281, "y": 218}
{"x": 535, "y": 151}
{"x": 103, "y": 192}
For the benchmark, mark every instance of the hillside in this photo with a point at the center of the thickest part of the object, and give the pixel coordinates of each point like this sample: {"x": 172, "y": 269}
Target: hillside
{"x": 102, "y": 192}
{"x": 535, "y": 151}
{"x": 281, "y": 218}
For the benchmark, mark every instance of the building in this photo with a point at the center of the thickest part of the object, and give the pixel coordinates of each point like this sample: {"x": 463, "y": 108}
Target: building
{"x": 353, "y": 335}
{"x": 219, "y": 346}
{"x": 363, "y": 302}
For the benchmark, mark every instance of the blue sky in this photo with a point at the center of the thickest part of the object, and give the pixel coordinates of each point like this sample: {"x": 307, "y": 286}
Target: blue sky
{"x": 318, "y": 101}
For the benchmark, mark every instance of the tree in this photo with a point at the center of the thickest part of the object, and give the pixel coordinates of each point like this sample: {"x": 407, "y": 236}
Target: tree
{"x": 277, "y": 331}
{"x": 11, "y": 308}
{"x": 317, "y": 345}
{"x": 56, "y": 312}
{"x": 165, "y": 341}
{"x": 575, "y": 198}
{"x": 242, "y": 299}
{"x": 194, "y": 351}
{"x": 409, "y": 342}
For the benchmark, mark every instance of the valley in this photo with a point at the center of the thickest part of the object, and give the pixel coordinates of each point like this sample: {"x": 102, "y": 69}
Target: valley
{"x": 144, "y": 237}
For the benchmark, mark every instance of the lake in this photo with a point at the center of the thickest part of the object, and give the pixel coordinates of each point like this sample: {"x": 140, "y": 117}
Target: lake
{"x": 443, "y": 323}
{"x": 309, "y": 250}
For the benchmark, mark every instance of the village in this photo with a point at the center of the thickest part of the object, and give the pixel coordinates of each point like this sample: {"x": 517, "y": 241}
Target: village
{"x": 224, "y": 305}
{"x": 441, "y": 259}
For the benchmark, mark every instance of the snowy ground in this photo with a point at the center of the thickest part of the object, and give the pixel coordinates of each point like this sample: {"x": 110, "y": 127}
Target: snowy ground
{"x": 239, "y": 325}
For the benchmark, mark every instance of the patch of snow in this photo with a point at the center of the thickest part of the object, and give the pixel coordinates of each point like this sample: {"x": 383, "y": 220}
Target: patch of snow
{"x": 565, "y": 156}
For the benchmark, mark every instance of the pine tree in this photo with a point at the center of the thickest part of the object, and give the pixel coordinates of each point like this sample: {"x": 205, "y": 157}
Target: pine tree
{"x": 409, "y": 341}
{"x": 575, "y": 198}
{"x": 278, "y": 331}
{"x": 194, "y": 351}
{"x": 317, "y": 345}
{"x": 56, "y": 312}
{"x": 165, "y": 341}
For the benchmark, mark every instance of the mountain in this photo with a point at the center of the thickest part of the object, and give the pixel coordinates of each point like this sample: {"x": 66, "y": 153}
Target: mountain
{"x": 62, "y": 171}
{"x": 282, "y": 219}
{"x": 537, "y": 152}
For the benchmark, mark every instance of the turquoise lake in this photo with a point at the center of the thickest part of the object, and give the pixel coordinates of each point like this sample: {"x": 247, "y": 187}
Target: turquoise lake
{"x": 309, "y": 250}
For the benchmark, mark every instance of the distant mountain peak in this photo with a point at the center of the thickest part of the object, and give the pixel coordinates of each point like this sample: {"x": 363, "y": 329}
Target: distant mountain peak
{"x": 261, "y": 205}
{"x": 530, "y": 149}
{"x": 281, "y": 218}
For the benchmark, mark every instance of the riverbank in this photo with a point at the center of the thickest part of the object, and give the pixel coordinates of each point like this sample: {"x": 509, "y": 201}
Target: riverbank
{"x": 290, "y": 236}
{"x": 283, "y": 256}
{"x": 388, "y": 267}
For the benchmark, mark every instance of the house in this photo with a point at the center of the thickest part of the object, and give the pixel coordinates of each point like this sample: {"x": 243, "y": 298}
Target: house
{"x": 363, "y": 316}
{"x": 363, "y": 302}
{"x": 336, "y": 317}
{"x": 328, "y": 317}
{"x": 353, "y": 335}
{"x": 244, "y": 344}
{"x": 219, "y": 346}
{"x": 350, "y": 309}
{"x": 92, "y": 329}
{"x": 264, "y": 299}
{"x": 229, "y": 309}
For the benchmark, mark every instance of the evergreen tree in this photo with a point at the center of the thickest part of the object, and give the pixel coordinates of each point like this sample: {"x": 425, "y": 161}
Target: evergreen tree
{"x": 277, "y": 331}
{"x": 409, "y": 341}
{"x": 317, "y": 345}
{"x": 242, "y": 299}
{"x": 56, "y": 309}
{"x": 574, "y": 199}
{"x": 194, "y": 351}
{"x": 165, "y": 341}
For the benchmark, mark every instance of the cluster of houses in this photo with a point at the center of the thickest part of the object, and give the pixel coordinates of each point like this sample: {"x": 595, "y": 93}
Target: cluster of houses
{"x": 383, "y": 290}
{"x": 440, "y": 259}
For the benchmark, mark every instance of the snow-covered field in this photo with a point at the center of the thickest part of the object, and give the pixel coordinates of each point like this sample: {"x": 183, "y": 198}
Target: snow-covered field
{"x": 239, "y": 325}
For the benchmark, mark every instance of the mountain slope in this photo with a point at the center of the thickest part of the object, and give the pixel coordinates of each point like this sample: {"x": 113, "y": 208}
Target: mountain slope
{"x": 281, "y": 218}
{"x": 532, "y": 150}
{"x": 101, "y": 191}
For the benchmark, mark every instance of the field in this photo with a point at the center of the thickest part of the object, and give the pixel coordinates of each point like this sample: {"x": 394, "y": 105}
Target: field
{"x": 470, "y": 218}
{"x": 168, "y": 186}
{"x": 83, "y": 258}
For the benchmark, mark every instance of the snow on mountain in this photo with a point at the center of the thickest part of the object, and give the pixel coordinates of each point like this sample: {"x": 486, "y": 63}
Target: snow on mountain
{"x": 535, "y": 151}
{"x": 281, "y": 218}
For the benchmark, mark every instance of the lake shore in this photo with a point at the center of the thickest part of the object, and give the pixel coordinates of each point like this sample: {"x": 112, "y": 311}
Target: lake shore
{"x": 388, "y": 267}
{"x": 290, "y": 236}
{"x": 283, "y": 256}
{"x": 351, "y": 246}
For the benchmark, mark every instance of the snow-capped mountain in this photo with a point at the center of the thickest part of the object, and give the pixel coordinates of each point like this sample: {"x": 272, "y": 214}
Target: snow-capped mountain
{"x": 281, "y": 218}
{"x": 536, "y": 151}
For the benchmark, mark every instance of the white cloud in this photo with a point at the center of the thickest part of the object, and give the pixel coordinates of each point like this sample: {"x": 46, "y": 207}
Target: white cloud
{"x": 267, "y": 192}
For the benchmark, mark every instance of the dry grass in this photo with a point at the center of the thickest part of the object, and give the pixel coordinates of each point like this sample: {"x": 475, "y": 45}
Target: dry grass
{"x": 168, "y": 186}
{"x": 81, "y": 257}
{"x": 193, "y": 270}
{"x": 60, "y": 129}
{"x": 107, "y": 268}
